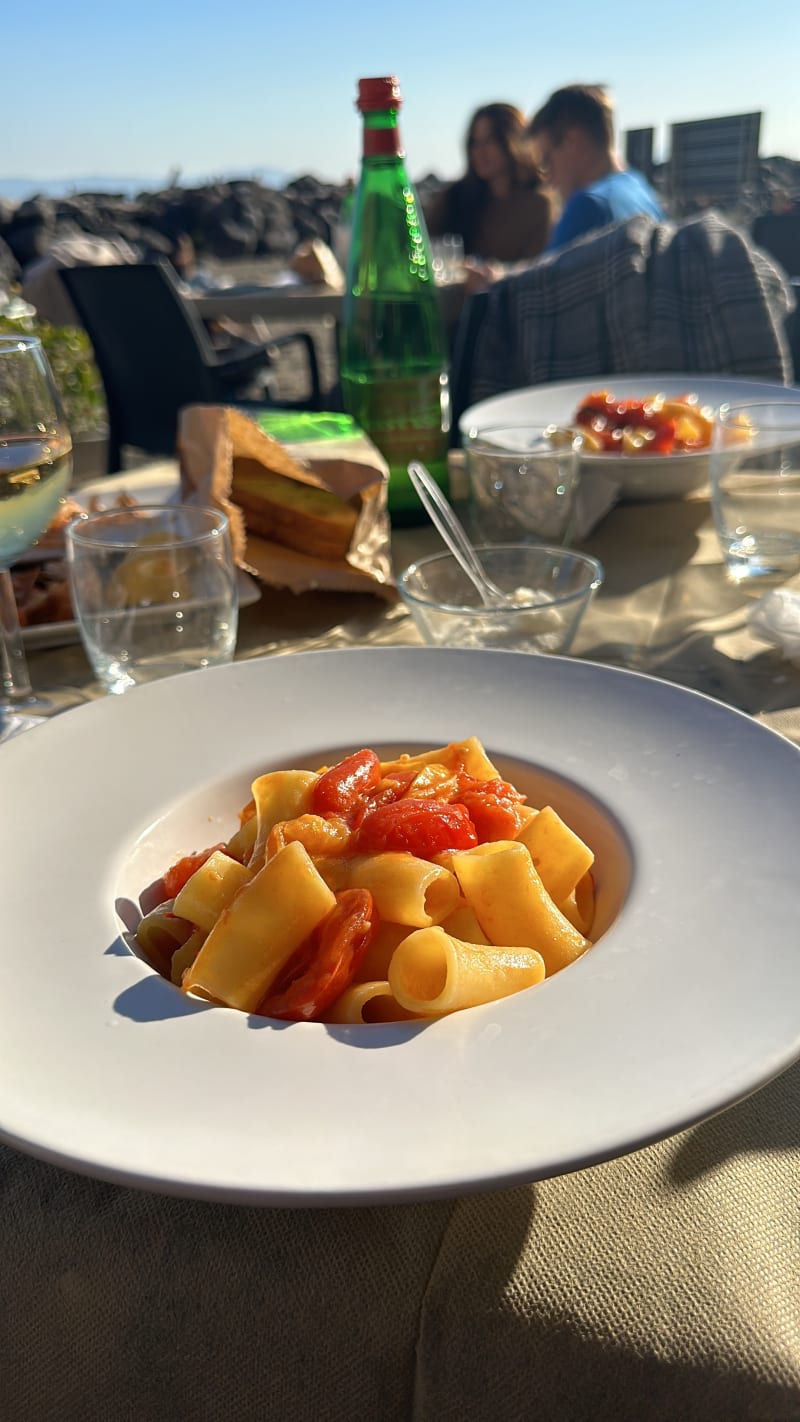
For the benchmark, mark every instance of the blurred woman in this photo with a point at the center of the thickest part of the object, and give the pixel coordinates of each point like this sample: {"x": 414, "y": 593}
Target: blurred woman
{"x": 499, "y": 208}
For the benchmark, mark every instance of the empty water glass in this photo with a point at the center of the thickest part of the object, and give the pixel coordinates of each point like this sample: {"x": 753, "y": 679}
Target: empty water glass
{"x": 154, "y": 590}
{"x": 755, "y": 490}
{"x": 523, "y": 480}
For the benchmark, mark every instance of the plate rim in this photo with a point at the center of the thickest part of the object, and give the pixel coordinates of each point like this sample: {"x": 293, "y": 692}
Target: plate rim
{"x": 67, "y": 728}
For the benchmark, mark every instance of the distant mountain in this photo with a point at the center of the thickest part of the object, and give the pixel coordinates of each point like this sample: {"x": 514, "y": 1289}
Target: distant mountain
{"x": 19, "y": 189}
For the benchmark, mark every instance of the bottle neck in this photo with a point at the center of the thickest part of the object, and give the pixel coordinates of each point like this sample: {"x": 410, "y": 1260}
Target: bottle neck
{"x": 382, "y": 135}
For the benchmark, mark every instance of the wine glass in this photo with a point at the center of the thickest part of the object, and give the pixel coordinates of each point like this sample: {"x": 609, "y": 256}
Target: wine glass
{"x": 35, "y": 470}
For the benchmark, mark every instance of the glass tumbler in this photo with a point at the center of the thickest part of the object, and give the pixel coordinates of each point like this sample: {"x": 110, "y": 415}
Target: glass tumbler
{"x": 755, "y": 491}
{"x": 523, "y": 481}
{"x": 154, "y": 590}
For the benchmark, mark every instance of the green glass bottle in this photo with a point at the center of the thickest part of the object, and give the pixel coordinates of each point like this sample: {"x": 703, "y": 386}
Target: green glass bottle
{"x": 393, "y": 356}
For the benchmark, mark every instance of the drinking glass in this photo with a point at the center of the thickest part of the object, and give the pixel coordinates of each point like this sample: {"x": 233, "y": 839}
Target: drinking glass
{"x": 447, "y": 256}
{"x": 35, "y": 470}
{"x": 523, "y": 480}
{"x": 755, "y": 491}
{"x": 154, "y": 589}
{"x": 548, "y": 591}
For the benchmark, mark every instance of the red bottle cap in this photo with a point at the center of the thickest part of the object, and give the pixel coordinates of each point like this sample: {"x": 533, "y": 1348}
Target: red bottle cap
{"x": 375, "y": 95}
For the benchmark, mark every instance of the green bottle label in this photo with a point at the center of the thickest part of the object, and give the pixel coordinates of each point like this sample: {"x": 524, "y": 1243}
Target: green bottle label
{"x": 403, "y": 415}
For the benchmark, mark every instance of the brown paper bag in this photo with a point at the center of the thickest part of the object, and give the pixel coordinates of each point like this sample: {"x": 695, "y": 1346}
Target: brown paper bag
{"x": 327, "y": 518}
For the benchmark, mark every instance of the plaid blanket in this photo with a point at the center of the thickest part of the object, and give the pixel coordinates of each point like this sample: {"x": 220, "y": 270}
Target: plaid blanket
{"x": 640, "y": 296}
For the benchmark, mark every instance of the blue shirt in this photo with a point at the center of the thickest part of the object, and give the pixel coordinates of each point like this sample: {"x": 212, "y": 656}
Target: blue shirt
{"x": 610, "y": 199}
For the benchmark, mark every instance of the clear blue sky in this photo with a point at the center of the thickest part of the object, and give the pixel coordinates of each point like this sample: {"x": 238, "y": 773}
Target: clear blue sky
{"x": 135, "y": 89}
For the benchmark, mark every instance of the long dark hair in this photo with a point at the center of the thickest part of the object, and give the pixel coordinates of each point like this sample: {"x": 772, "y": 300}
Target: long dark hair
{"x": 467, "y": 197}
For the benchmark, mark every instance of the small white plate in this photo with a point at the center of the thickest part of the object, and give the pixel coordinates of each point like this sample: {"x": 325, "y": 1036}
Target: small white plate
{"x": 152, "y": 484}
{"x": 158, "y": 484}
{"x": 688, "y": 1002}
{"x": 640, "y": 477}
{"x": 48, "y": 635}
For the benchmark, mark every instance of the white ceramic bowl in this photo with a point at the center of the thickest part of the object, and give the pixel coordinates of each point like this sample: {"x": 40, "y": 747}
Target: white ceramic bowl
{"x": 635, "y": 477}
{"x": 644, "y": 477}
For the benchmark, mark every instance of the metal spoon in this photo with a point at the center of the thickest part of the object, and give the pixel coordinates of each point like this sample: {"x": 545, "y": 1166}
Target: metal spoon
{"x": 454, "y": 534}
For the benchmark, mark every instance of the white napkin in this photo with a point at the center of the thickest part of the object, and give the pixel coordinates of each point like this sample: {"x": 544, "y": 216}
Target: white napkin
{"x": 775, "y": 618}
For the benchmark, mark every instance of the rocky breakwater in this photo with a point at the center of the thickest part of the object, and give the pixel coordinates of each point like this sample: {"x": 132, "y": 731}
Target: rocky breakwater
{"x": 236, "y": 218}
{"x": 225, "y": 220}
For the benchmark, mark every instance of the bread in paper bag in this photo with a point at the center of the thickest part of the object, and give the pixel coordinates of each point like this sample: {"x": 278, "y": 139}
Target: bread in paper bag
{"x": 321, "y": 523}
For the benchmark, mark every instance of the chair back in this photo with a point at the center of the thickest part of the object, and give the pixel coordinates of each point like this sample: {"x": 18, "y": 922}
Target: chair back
{"x": 152, "y": 350}
{"x": 779, "y": 235}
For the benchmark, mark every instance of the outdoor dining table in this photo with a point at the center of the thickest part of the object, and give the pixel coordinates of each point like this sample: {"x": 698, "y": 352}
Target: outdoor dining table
{"x": 662, "y": 1285}
{"x": 292, "y": 301}
{"x": 297, "y": 303}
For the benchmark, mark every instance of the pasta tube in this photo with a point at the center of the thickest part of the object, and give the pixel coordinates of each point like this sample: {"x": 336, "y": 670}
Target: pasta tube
{"x": 369, "y": 1002}
{"x": 585, "y": 900}
{"x": 210, "y": 889}
{"x": 280, "y": 795}
{"x": 376, "y": 960}
{"x": 468, "y": 754}
{"x": 241, "y": 844}
{"x": 579, "y": 906}
{"x": 185, "y": 956}
{"x": 405, "y": 889}
{"x": 159, "y": 933}
{"x": 559, "y": 855}
{"x": 432, "y": 973}
{"x": 462, "y": 923}
{"x": 511, "y": 904}
{"x": 256, "y": 935}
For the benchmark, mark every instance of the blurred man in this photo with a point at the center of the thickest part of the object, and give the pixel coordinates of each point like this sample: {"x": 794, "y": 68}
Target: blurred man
{"x": 573, "y": 134}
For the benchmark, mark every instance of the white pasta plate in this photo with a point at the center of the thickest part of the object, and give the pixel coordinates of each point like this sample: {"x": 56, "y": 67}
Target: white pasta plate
{"x": 633, "y": 477}
{"x": 152, "y": 484}
{"x": 686, "y": 1003}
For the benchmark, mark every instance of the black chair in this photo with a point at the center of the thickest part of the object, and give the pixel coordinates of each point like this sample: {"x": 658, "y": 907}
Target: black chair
{"x": 779, "y": 235}
{"x": 155, "y": 355}
{"x": 471, "y": 321}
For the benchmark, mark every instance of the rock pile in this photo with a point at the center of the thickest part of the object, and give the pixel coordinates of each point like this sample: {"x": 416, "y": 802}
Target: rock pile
{"x": 240, "y": 218}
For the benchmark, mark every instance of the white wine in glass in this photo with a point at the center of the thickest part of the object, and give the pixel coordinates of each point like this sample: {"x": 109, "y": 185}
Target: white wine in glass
{"x": 35, "y": 471}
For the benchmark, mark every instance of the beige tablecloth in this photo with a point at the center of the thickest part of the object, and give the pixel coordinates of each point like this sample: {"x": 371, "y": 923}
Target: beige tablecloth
{"x": 662, "y": 1286}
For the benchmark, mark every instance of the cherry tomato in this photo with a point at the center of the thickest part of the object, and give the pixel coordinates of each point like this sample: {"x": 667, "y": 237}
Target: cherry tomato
{"x": 338, "y": 947}
{"x": 594, "y": 404}
{"x": 493, "y": 806}
{"x": 664, "y": 439}
{"x": 611, "y": 439}
{"x": 422, "y": 827}
{"x": 181, "y": 873}
{"x": 341, "y": 789}
{"x": 639, "y": 414}
{"x": 389, "y": 790}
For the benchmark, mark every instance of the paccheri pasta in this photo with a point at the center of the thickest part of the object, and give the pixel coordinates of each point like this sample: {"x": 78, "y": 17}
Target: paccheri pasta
{"x": 376, "y": 891}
